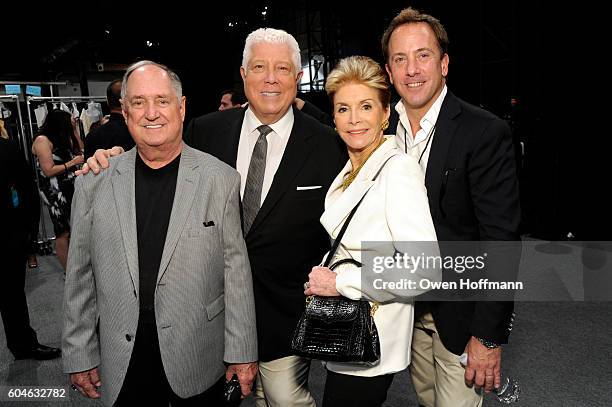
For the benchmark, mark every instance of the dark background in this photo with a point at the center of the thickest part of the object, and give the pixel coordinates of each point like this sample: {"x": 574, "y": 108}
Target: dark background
{"x": 498, "y": 51}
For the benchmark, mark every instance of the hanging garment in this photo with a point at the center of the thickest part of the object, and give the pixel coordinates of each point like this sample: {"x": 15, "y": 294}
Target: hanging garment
{"x": 85, "y": 121}
{"x": 41, "y": 113}
{"x": 65, "y": 108}
{"x": 91, "y": 115}
{"x": 75, "y": 111}
{"x": 94, "y": 109}
{"x": 5, "y": 112}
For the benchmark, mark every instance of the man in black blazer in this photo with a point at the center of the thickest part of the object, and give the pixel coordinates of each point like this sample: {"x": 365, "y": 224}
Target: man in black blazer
{"x": 470, "y": 175}
{"x": 285, "y": 238}
{"x": 19, "y": 209}
{"x": 113, "y": 133}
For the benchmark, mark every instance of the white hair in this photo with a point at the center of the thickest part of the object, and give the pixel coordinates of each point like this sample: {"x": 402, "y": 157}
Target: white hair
{"x": 272, "y": 36}
{"x": 175, "y": 81}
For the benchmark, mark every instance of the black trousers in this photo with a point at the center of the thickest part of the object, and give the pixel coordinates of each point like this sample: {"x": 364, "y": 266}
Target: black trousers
{"x": 146, "y": 384}
{"x": 355, "y": 391}
{"x": 13, "y": 305}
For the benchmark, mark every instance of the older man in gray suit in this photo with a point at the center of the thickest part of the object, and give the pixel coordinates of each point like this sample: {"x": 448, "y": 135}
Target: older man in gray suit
{"x": 158, "y": 297}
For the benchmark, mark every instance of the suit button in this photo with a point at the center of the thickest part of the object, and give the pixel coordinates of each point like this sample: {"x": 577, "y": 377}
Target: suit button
{"x": 128, "y": 337}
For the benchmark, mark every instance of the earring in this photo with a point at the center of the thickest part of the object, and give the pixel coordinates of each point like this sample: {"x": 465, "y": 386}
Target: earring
{"x": 384, "y": 125}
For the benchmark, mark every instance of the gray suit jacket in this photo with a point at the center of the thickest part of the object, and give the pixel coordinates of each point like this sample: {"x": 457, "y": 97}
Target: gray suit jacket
{"x": 204, "y": 305}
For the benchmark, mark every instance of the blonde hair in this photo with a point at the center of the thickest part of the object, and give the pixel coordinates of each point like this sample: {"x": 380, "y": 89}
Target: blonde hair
{"x": 359, "y": 70}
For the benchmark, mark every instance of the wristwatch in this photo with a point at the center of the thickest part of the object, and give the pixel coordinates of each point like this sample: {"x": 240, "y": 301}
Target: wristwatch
{"x": 488, "y": 344}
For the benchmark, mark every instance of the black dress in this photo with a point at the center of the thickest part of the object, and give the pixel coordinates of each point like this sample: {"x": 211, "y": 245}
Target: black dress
{"x": 58, "y": 191}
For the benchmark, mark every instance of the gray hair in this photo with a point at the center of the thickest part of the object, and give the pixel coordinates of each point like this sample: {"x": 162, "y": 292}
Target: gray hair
{"x": 175, "y": 81}
{"x": 272, "y": 36}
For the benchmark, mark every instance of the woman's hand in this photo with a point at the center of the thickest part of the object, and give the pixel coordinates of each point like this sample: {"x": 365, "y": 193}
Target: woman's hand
{"x": 322, "y": 281}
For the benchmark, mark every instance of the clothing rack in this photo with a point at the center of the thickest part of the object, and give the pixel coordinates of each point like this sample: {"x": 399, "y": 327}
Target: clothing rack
{"x": 52, "y": 99}
{"x": 38, "y": 83}
{"x": 45, "y": 241}
{"x": 20, "y": 130}
{"x": 42, "y": 240}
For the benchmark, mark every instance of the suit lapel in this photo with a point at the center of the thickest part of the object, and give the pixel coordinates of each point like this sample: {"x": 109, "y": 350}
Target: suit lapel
{"x": 186, "y": 184}
{"x": 234, "y": 128}
{"x": 339, "y": 204}
{"x": 296, "y": 154}
{"x": 125, "y": 202}
{"x": 445, "y": 130}
{"x": 335, "y": 214}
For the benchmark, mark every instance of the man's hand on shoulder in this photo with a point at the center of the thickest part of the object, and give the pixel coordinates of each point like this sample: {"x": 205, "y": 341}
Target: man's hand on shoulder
{"x": 99, "y": 161}
{"x": 246, "y": 373}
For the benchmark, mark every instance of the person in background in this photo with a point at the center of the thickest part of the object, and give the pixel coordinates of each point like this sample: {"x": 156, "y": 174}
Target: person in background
{"x": 231, "y": 99}
{"x": 59, "y": 152}
{"x": 113, "y": 133}
{"x": 19, "y": 212}
{"x": 32, "y": 260}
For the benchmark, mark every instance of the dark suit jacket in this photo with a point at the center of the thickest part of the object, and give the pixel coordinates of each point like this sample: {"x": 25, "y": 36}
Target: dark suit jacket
{"x": 286, "y": 238}
{"x": 16, "y": 174}
{"x": 473, "y": 195}
{"x": 111, "y": 134}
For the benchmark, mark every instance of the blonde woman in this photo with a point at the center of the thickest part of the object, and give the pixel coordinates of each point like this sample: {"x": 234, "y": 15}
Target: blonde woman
{"x": 394, "y": 209}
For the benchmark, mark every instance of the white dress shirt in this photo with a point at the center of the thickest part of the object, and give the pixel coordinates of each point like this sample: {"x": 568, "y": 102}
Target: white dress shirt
{"x": 418, "y": 144}
{"x": 277, "y": 142}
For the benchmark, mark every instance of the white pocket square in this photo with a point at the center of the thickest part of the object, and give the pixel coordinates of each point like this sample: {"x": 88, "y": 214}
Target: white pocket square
{"x": 308, "y": 187}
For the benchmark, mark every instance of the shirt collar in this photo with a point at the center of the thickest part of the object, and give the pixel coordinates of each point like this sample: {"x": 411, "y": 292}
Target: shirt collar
{"x": 430, "y": 118}
{"x": 282, "y": 127}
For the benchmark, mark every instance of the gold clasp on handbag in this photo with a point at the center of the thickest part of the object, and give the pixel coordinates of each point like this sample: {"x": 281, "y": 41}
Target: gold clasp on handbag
{"x": 373, "y": 308}
{"x": 309, "y": 299}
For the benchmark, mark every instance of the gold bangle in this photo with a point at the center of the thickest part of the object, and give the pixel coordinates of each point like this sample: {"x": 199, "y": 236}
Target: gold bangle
{"x": 65, "y": 167}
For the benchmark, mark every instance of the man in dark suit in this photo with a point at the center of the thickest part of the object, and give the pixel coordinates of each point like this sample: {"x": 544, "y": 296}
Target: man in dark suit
{"x": 284, "y": 238}
{"x": 470, "y": 175}
{"x": 115, "y": 131}
{"x": 287, "y": 161}
{"x": 19, "y": 209}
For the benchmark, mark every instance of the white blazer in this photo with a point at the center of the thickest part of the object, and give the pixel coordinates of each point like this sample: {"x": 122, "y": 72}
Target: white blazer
{"x": 395, "y": 209}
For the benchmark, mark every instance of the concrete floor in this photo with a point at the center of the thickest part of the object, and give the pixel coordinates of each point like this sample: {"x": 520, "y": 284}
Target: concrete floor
{"x": 559, "y": 352}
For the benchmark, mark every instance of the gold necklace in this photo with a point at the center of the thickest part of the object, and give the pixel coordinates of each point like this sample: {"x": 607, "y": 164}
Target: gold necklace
{"x": 353, "y": 174}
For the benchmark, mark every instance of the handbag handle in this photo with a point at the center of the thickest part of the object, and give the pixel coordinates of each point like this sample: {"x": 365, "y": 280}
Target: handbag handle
{"x": 344, "y": 261}
{"x": 332, "y": 252}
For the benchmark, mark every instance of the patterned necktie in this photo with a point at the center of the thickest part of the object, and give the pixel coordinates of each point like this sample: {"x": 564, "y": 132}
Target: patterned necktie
{"x": 251, "y": 200}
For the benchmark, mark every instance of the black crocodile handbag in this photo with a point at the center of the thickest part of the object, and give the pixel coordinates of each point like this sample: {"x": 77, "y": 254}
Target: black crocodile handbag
{"x": 337, "y": 329}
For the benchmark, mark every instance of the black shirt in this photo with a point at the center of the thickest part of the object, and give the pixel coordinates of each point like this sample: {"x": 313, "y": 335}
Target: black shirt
{"x": 155, "y": 190}
{"x": 114, "y": 133}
